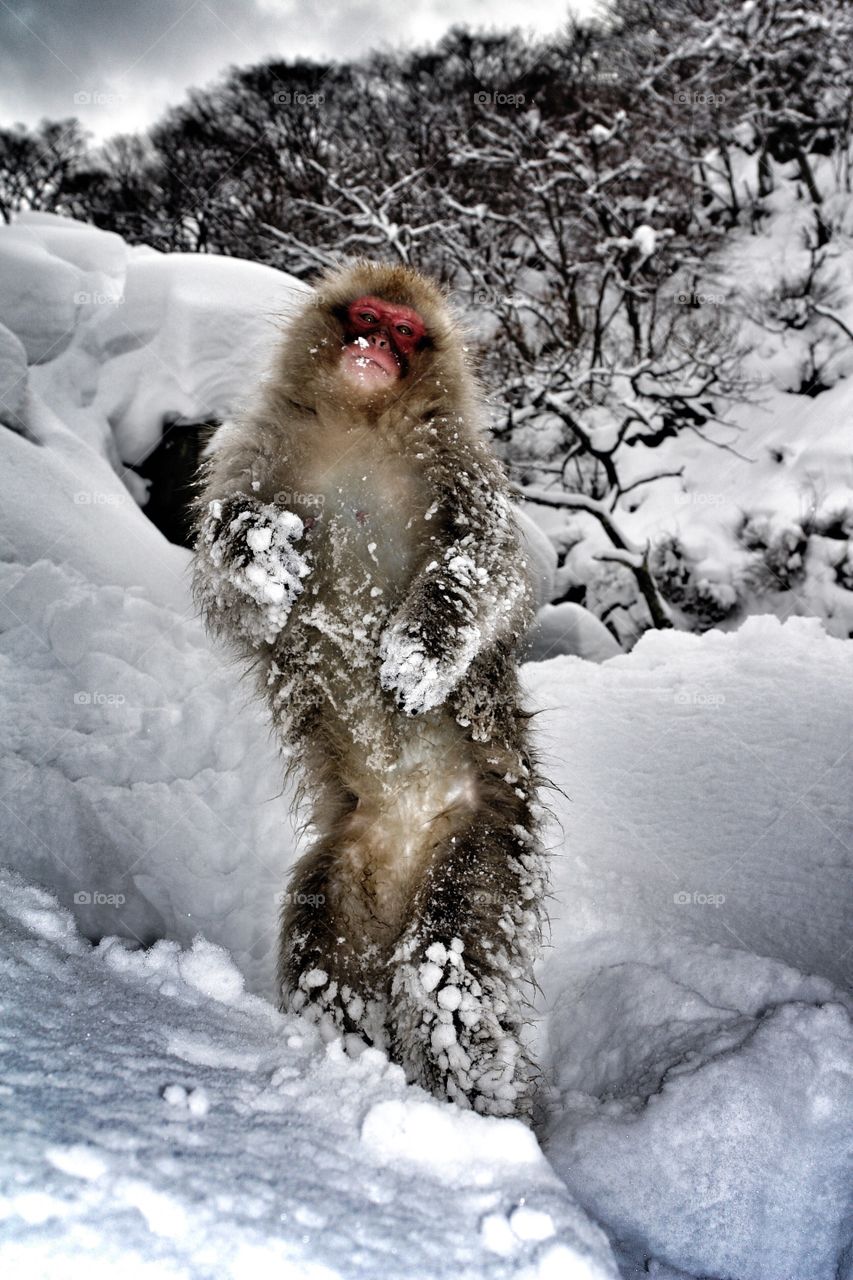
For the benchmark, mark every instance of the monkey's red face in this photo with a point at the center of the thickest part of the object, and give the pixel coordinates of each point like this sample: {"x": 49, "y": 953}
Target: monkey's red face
{"x": 379, "y": 338}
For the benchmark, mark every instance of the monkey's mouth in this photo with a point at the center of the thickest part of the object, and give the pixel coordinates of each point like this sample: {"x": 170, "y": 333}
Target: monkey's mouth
{"x": 369, "y": 365}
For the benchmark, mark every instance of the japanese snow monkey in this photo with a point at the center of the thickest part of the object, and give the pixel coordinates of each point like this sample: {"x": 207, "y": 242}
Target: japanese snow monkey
{"x": 356, "y": 543}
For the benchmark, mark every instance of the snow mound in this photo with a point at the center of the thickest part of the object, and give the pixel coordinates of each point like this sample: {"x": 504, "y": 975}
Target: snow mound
{"x": 747, "y": 1145}
{"x": 713, "y": 773}
{"x": 569, "y": 629}
{"x": 467, "y": 1146}
{"x": 541, "y": 556}
{"x": 38, "y": 298}
{"x": 129, "y": 340}
{"x": 204, "y": 327}
{"x": 84, "y": 246}
{"x": 138, "y": 777}
{"x": 697, "y": 1051}
{"x": 64, "y": 504}
{"x": 13, "y": 379}
{"x": 198, "y": 1132}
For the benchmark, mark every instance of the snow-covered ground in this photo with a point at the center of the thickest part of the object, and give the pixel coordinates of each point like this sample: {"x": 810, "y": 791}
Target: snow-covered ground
{"x": 695, "y": 1031}
{"x": 162, "y": 1123}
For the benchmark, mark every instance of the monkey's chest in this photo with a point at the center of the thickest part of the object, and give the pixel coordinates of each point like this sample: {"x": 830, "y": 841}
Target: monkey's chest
{"x": 368, "y": 536}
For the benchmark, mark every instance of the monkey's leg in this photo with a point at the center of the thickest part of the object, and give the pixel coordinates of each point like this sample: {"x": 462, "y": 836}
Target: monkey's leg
{"x": 457, "y": 1002}
{"x": 331, "y": 961}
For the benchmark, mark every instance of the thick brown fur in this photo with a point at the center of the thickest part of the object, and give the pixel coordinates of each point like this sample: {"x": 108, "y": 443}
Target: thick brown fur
{"x": 383, "y": 624}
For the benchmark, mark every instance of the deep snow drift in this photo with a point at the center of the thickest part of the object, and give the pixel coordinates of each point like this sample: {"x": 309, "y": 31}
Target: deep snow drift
{"x": 700, "y": 1096}
{"x": 697, "y": 1085}
{"x": 695, "y": 1037}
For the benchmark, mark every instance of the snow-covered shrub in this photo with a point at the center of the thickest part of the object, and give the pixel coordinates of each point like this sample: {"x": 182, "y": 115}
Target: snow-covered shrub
{"x": 706, "y": 603}
{"x": 780, "y": 552}
{"x": 844, "y": 569}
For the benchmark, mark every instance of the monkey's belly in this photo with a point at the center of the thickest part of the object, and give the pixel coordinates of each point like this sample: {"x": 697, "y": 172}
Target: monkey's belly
{"x": 412, "y": 776}
{"x": 405, "y": 817}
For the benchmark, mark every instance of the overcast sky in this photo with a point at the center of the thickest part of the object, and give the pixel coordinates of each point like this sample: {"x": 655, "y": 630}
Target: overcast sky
{"x": 117, "y": 63}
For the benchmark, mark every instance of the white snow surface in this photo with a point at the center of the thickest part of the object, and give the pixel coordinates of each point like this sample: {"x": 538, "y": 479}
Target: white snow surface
{"x": 123, "y": 340}
{"x": 167, "y": 1124}
{"x": 695, "y": 1033}
{"x": 569, "y": 629}
{"x": 697, "y": 1036}
{"x": 13, "y": 379}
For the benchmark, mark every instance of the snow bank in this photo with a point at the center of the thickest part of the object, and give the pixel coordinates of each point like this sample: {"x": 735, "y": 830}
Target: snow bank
{"x": 202, "y": 324}
{"x": 694, "y": 1088}
{"x": 717, "y": 768}
{"x": 542, "y": 557}
{"x": 139, "y": 780}
{"x": 63, "y": 503}
{"x": 699, "y": 1058}
{"x": 13, "y": 379}
{"x": 122, "y": 764}
{"x": 566, "y": 628}
{"x": 198, "y": 1133}
{"x": 37, "y": 300}
{"x": 127, "y": 340}
{"x": 742, "y": 1155}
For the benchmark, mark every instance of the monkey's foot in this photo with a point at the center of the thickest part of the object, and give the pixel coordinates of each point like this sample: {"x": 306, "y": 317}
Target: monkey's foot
{"x": 336, "y": 1009}
{"x": 456, "y": 1034}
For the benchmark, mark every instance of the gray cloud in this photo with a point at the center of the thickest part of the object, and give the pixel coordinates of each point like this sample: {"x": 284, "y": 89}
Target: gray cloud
{"x": 117, "y": 65}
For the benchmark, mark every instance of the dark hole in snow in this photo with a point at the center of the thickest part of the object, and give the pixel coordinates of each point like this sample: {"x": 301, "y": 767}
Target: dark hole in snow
{"x": 171, "y": 469}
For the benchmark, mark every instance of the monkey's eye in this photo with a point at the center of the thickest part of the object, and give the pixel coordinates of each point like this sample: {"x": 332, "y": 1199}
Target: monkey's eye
{"x": 404, "y": 329}
{"x": 368, "y": 317}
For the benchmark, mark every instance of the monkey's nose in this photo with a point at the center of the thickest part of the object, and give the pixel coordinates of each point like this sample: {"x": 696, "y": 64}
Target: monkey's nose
{"x": 379, "y": 339}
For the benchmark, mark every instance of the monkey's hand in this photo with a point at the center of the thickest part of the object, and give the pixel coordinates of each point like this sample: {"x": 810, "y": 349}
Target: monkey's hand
{"x": 421, "y": 670}
{"x": 248, "y": 570}
{"x": 455, "y": 608}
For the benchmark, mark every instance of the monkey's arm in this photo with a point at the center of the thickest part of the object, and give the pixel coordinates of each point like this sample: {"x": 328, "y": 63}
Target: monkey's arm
{"x": 473, "y": 590}
{"x": 248, "y": 571}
